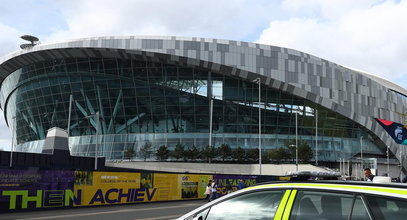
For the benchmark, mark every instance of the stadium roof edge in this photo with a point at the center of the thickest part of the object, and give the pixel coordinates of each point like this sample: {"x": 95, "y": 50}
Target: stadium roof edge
{"x": 59, "y": 45}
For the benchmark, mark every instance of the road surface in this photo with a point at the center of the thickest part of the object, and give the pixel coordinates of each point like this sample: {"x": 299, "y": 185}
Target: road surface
{"x": 146, "y": 211}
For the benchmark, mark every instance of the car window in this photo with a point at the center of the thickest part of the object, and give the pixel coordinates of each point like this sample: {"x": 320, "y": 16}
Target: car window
{"x": 256, "y": 205}
{"x": 387, "y": 208}
{"x": 321, "y": 206}
{"x": 359, "y": 211}
{"x": 199, "y": 216}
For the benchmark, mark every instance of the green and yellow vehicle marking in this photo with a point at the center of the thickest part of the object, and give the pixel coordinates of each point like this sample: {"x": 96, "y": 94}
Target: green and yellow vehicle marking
{"x": 289, "y": 205}
{"x": 352, "y": 188}
{"x": 281, "y": 206}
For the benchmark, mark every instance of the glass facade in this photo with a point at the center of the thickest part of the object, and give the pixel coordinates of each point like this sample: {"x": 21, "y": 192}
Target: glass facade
{"x": 142, "y": 101}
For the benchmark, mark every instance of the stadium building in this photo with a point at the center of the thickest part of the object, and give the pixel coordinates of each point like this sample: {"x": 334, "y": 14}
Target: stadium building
{"x": 162, "y": 91}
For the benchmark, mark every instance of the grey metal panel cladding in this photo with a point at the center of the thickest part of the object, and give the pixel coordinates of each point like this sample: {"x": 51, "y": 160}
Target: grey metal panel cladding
{"x": 321, "y": 81}
{"x": 55, "y": 143}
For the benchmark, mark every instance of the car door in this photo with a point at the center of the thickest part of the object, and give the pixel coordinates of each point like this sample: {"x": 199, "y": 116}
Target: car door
{"x": 325, "y": 205}
{"x": 251, "y": 205}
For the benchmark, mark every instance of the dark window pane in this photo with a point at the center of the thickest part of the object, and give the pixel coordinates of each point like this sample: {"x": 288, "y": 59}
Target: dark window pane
{"x": 359, "y": 211}
{"x": 321, "y": 205}
{"x": 387, "y": 208}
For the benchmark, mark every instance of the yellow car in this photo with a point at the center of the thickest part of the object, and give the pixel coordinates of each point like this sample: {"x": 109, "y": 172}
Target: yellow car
{"x": 315, "y": 200}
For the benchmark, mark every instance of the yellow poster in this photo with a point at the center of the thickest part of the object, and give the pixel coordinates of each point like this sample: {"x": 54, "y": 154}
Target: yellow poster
{"x": 167, "y": 186}
{"x": 105, "y": 188}
{"x": 193, "y": 186}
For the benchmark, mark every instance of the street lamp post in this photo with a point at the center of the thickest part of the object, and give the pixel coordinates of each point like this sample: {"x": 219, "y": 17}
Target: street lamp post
{"x": 388, "y": 161}
{"x": 401, "y": 164}
{"x": 12, "y": 140}
{"x": 258, "y": 81}
{"x": 210, "y": 128}
{"x": 296, "y": 155}
{"x": 296, "y": 140}
{"x": 316, "y": 137}
{"x": 69, "y": 114}
{"x": 361, "y": 153}
{"x": 97, "y": 137}
{"x": 97, "y": 140}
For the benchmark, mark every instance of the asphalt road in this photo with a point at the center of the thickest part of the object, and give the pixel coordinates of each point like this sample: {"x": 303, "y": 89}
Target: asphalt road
{"x": 146, "y": 211}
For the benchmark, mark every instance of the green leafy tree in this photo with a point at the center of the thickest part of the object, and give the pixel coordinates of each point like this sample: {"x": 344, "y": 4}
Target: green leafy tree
{"x": 129, "y": 154}
{"x": 280, "y": 154}
{"x": 265, "y": 156}
{"x": 225, "y": 151}
{"x": 239, "y": 154}
{"x": 162, "y": 153}
{"x": 179, "y": 151}
{"x": 208, "y": 153}
{"x": 253, "y": 155}
{"x": 305, "y": 152}
{"x": 193, "y": 153}
{"x": 290, "y": 145}
{"x": 146, "y": 150}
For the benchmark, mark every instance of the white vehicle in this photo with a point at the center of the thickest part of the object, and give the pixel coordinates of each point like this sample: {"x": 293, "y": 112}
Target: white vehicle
{"x": 314, "y": 200}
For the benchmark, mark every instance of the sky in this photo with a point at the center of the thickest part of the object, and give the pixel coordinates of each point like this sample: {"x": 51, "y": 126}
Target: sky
{"x": 368, "y": 35}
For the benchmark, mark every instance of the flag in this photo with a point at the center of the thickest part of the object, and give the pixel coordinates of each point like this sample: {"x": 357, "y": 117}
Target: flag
{"x": 397, "y": 131}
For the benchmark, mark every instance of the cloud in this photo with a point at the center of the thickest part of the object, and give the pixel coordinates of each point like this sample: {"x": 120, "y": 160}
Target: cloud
{"x": 217, "y": 19}
{"x": 5, "y": 134}
{"x": 366, "y": 37}
{"x": 55, "y": 21}
{"x": 9, "y": 39}
{"x": 35, "y": 17}
{"x": 323, "y": 9}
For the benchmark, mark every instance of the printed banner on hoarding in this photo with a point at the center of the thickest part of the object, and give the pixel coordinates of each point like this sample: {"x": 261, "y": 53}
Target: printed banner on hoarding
{"x": 223, "y": 180}
{"x": 105, "y": 188}
{"x": 167, "y": 186}
{"x": 193, "y": 186}
{"x": 36, "y": 189}
{"x": 32, "y": 189}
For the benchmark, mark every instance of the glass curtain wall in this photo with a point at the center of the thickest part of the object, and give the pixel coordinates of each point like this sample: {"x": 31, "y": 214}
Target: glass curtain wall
{"x": 140, "y": 101}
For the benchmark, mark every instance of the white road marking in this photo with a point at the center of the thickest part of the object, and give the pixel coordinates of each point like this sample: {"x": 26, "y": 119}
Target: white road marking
{"x": 160, "y": 217}
{"x": 112, "y": 212}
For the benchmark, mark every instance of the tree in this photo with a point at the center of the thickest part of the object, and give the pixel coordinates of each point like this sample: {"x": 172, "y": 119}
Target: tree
{"x": 265, "y": 156}
{"x": 208, "y": 153}
{"x": 239, "y": 154}
{"x": 193, "y": 153}
{"x": 162, "y": 153}
{"x": 146, "y": 150}
{"x": 179, "y": 151}
{"x": 253, "y": 154}
{"x": 279, "y": 154}
{"x": 129, "y": 153}
{"x": 225, "y": 151}
{"x": 305, "y": 152}
{"x": 290, "y": 145}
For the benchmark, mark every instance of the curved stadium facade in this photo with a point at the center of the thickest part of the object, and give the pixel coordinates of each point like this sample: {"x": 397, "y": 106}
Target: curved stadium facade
{"x": 158, "y": 90}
